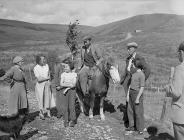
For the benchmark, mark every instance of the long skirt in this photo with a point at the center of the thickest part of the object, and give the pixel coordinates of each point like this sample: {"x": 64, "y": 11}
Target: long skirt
{"x": 44, "y": 95}
{"x": 17, "y": 99}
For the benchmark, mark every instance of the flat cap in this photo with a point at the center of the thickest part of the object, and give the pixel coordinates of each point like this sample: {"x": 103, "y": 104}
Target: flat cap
{"x": 132, "y": 44}
{"x": 88, "y": 37}
{"x": 17, "y": 59}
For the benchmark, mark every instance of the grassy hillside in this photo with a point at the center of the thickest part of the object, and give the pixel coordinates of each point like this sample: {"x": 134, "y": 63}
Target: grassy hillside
{"x": 27, "y": 33}
{"x": 158, "y": 36}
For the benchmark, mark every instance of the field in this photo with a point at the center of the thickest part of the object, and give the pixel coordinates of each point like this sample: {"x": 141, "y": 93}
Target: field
{"x": 159, "y": 36}
{"x": 110, "y": 129}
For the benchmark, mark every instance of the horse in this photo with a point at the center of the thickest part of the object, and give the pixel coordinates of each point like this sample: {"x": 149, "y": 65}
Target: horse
{"x": 99, "y": 85}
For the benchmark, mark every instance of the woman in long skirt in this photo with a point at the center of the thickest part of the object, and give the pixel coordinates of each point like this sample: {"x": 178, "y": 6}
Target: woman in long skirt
{"x": 42, "y": 87}
{"x": 17, "y": 102}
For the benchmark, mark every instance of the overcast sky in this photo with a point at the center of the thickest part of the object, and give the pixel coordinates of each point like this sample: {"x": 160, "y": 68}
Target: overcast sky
{"x": 89, "y": 12}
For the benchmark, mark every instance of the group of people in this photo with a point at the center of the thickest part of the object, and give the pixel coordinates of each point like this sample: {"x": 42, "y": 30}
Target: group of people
{"x": 133, "y": 80}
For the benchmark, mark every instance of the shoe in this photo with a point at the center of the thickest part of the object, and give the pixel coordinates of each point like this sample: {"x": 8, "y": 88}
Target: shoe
{"x": 129, "y": 131}
{"x": 48, "y": 114}
{"x": 140, "y": 133}
{"x": 41, "y": 116}
{"x": 66, "y": 124}
{"x": 58, "y": 116}
{"x": 72, "y": 123}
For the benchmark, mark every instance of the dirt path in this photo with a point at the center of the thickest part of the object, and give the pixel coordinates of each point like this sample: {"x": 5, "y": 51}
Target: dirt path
{"x": 53, "y": 129}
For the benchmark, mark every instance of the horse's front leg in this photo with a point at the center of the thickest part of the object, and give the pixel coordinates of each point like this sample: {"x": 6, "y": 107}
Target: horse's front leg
{"x": 92, "y": 99}
{"x": 81, "y": 103}
{"x": 102, "y": 116}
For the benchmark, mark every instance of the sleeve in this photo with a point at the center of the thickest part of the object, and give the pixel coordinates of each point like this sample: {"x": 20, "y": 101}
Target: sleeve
{"x": 176, "y": 84}
{"x": 74, "y": 79}
{"x": 8, "y": 75}
{"x": 146, "y": 68}
{"x": 57, "y": 76}
{"x": 48, "y": 70}
{"x": 36, "y": 72}
{"x": 82, "y": 62}
{"x": 99, "y": 54}
{"x": 142, "y": 80}
{"x": 62, "y": 79}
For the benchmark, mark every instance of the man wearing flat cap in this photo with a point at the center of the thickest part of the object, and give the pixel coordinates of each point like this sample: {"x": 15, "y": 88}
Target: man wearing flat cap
{"x": 91, "y": 56}
{"x": 130, "y": 68}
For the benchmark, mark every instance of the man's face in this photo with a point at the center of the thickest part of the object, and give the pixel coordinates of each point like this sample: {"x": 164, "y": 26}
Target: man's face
{"x": 180, "y": 56}
{"x": 131, "y": 50}
{"x": 42, "y": 60}
{"x": 87, "y": 43}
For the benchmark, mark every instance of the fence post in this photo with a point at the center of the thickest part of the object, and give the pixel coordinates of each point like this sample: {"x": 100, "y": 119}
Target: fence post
{"x": 165, "y": 109}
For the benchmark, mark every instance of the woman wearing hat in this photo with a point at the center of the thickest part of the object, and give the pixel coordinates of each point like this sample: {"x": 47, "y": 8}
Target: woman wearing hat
{"x": 17, "y": 102}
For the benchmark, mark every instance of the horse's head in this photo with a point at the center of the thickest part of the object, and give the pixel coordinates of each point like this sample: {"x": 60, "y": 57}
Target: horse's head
{"x": 111, "y": 69}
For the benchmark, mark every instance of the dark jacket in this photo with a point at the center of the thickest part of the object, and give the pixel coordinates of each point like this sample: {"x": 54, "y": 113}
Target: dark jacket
{"x": 125, "y": 79}
{"x": 96, "y": 52}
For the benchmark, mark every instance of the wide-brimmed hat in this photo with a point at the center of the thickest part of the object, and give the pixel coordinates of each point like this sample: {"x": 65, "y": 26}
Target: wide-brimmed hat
{"x": 17, "y": 59}
{"x": 88, "y": 37}
{"x": 132, "y": 44}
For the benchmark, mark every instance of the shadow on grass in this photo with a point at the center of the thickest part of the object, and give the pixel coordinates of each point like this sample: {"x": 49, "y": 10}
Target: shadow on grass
{"x": 31, "y": 116}
{"x": 152, "y": 131}
{"x": 26, "y": 136}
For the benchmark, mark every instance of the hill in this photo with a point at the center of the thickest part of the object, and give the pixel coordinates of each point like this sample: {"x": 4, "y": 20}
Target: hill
{"x": 158, "y": 36}
{"x": 16, "y": 31}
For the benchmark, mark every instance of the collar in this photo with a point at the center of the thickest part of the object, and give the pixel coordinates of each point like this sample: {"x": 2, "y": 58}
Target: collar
{"x": 134, "y": 54}
{"x": 88, "y": 49}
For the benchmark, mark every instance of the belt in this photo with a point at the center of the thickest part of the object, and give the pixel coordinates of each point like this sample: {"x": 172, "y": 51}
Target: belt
{"x": 18, "y": 81}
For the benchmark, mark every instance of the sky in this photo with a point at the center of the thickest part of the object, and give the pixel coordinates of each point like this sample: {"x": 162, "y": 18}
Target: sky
{"x": 88, "y": 12}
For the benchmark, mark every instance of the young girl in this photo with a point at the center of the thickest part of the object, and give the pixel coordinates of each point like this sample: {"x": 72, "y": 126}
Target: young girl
{"x": 135, "y": 100}
{"x": 67, "y": 89}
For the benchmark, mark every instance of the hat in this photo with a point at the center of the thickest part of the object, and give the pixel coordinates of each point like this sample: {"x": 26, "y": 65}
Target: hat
{"x": 132, "y": 44}
{"x": 87, "y": 38}
{"x": 17, "y": 59}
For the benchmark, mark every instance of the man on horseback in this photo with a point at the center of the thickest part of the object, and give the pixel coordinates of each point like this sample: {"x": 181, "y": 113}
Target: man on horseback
{"x": 91, "y": 56}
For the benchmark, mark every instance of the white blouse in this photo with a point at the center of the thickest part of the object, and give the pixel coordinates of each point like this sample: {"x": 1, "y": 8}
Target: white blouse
{"x": 68, "y": 79}
{"x": 41, "y": 71}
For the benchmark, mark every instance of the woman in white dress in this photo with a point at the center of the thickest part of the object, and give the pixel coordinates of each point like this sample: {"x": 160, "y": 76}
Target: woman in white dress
{"x": 42, "y": 87}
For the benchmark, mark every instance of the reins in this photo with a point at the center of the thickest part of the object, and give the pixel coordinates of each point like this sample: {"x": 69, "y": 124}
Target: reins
{"x": 104, "y": 73}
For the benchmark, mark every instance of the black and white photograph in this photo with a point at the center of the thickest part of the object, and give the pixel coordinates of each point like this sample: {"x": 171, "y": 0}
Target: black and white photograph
{"x": 91, "y": 69}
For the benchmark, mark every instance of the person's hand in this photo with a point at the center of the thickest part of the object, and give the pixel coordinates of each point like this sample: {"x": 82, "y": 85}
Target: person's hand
{"x": 167, "y": 90}
{"x": 58, "y": 88}
{"x": 137, "y": 101}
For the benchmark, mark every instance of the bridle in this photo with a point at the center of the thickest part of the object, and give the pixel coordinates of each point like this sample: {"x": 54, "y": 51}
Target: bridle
{"x": 104, "y": 72}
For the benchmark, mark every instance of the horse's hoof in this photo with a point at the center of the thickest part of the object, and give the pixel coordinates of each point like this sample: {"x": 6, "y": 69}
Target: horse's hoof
{"x": 90, "y": 117}
{"x": 102, "y": 118}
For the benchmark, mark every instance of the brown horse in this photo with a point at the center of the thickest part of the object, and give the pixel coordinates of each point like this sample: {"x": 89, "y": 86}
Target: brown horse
{"x": 99, "y": 85}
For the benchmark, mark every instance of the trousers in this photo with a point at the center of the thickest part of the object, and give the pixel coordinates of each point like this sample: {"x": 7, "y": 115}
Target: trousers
{"x": 135, "y": 111}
